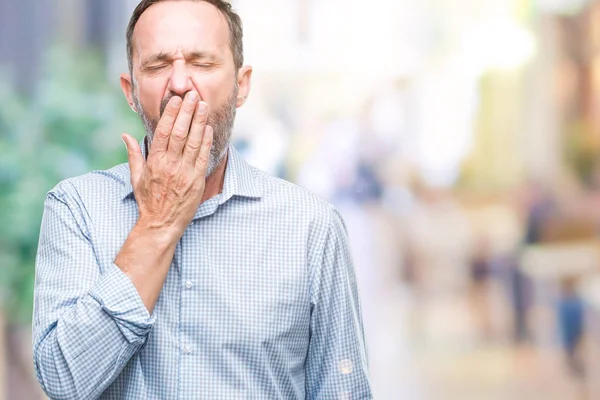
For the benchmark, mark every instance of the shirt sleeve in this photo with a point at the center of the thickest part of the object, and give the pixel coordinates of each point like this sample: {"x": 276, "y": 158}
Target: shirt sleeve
{"x": 336, "y": 366}
{"x": 86, "y": 324}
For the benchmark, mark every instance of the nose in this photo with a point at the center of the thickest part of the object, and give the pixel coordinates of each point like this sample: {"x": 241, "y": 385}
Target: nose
{"x": 180, "y": 82}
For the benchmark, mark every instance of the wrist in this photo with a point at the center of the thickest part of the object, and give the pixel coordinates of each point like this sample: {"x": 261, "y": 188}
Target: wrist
{"x": 157, "y": 235}
{"x": 145, "y": 249}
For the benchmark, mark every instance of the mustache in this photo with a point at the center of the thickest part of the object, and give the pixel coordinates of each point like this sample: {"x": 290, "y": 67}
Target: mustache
{"x": 164, "y": 102}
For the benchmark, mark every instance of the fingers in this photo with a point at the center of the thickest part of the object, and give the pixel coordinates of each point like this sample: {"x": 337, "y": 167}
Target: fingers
{"x": 181, "y": 128}
{"x": 160, "y": 141}
{"x": 194, "y": 140}
{"x": 136, "y": 159}
{"x": 204, "y": 155}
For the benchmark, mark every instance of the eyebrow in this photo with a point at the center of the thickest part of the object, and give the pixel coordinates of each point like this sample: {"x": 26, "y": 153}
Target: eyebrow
{"x": 162, "y": 57}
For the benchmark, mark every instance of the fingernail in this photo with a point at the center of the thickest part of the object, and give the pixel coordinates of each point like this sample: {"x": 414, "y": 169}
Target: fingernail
{"x": 176, "y": 101}
{"x": 192, "y": 97}
{"x": 202, "y": 107}
{"x": 124, "y": 142}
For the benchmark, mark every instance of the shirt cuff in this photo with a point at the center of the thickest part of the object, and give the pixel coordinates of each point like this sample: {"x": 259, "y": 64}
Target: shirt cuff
{"x": 120, "y": 299}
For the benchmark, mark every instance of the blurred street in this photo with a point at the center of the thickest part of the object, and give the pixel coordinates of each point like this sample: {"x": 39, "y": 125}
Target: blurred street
{"x": 436, "y": 346}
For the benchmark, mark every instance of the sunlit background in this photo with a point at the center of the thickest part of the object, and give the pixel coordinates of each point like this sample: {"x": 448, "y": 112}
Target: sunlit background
{"x": 460, "y": 139}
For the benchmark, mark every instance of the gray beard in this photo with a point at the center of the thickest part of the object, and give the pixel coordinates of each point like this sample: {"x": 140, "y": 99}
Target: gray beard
{"x": 221, "y": 120}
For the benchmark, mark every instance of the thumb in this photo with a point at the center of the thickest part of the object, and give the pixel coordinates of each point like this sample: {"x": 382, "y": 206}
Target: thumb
{"x": 136, "y": 159}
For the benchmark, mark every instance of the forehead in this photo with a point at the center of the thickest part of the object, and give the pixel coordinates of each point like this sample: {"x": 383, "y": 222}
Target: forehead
{"x": 185, "y": 26}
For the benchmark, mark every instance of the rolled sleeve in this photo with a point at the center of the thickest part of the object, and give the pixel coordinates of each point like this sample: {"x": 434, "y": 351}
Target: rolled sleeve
{"x": 88, "y": 319}
{"x": 336, "y": 365}
{"x": 119, "y": 298}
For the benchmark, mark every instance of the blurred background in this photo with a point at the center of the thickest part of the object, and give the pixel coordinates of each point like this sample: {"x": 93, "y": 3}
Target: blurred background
{"x": 460, "y": 139}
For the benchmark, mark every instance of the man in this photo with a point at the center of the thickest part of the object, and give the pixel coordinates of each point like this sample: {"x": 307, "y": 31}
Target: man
{"x": 187, "y": 273}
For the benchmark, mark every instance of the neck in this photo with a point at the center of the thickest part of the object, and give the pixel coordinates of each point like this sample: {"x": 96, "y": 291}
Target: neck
{"x": 214, "y": 182}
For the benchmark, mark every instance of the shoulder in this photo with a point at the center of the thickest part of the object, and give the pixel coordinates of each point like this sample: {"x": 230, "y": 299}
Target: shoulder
{"x": 307, "y": 213}
{"x": 98, "y": 185}
{"x": 295, "y": 199}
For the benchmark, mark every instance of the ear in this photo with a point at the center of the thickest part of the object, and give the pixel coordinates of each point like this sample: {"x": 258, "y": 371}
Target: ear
{"x": 244, "y": 82}
{"x": 127, "y": 88}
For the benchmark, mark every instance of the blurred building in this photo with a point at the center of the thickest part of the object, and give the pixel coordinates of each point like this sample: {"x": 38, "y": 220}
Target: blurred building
{"x": 29, "y": 27}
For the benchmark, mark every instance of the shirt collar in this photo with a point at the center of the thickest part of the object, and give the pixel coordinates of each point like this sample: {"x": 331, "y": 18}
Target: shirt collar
{"x": 241, "y": 179}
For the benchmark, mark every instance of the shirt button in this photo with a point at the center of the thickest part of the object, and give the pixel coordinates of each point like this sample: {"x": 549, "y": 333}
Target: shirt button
{"x": 346, "y": 367}
{"x": 192, "y": 223}
{"x": 187, "y": 349}
{"x": 189, "y": 284}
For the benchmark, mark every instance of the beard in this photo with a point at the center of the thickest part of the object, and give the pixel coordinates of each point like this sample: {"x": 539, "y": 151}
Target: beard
{"x": 220, "y": 119}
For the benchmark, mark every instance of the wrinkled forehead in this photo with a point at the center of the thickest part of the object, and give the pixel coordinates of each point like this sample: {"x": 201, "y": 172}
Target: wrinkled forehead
{"x": 181, "y": 26}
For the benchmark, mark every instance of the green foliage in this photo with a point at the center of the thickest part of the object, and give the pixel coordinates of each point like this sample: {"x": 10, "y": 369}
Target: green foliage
{"x": 70, "y": 126}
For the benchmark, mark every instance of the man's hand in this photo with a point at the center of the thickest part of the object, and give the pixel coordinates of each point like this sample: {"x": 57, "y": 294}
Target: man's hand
{"x": 168, "y": 188}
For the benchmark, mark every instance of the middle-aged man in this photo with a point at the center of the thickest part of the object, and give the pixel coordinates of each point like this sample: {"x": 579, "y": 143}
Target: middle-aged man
{"x": 187, "y": 273}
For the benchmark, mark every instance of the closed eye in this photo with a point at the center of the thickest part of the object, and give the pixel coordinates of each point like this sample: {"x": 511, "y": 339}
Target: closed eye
{"x": 155, "y": 67}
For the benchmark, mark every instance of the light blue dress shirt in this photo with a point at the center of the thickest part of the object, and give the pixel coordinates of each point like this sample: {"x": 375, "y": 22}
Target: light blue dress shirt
{"x": 260, "y": 301}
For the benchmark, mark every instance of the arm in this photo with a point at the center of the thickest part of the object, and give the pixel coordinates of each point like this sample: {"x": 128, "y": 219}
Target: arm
{"x": 86, "y": 325}
{"x": 336, "y": 366}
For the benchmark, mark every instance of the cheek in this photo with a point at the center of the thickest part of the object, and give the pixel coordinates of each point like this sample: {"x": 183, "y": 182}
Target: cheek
{"x": 214, "y": 89}
{"x": 151, "y": 92}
